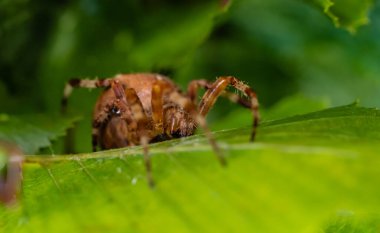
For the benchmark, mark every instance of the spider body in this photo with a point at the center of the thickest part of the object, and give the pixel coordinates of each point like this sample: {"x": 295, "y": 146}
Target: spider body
{"x": 114, "y": 131}
{"x": 138, "y": 109}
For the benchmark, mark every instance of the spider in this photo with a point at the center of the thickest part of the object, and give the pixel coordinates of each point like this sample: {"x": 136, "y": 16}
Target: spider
{"x": 138, "y": 109}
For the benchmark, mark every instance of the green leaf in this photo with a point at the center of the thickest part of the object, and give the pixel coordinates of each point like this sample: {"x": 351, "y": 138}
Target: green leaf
{"x": 348, "y": 223}
{"x": 349, "y": 14}
{"x": 296, "y": 104}
{"x": 33, "y": 132}
{"x": 311, "y": 57}
{"x": 301, "y": 175}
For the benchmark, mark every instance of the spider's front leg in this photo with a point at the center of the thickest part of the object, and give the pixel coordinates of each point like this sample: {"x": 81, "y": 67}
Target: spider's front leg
{"x": 143, "y": 129}
{"x": 219, "y": 86}
{"x": 138, "y": 124}
{"x": 187, "y": 103}
{"x": 158, "y": 108}
{"x": 193, "y": 87}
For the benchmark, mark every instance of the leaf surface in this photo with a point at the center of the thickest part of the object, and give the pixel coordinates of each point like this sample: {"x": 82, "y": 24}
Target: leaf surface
{"x": 303, "y": 174}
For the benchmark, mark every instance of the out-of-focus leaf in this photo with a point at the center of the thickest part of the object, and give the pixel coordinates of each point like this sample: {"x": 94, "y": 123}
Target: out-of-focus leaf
{"x": 131, "y": 38}
{"x": 24, "y": 31}
{"x": 290, "y": 106}
{"x": 349, "y": 14}
{"x": 294, "y": 105}
{"x": 33, "y": 132}
{"x": 278, "y": 55}
{"x": 126, "y": 42}
{"x": 300, "y": 175}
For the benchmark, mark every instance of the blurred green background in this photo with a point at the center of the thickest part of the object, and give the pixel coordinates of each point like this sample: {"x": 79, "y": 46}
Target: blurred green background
{"x": 284, "y": 49}
{"x": 316, "y": 172}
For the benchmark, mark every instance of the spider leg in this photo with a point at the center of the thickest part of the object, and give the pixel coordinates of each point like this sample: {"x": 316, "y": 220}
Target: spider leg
{"x": 173, "y": 124}
{"x": 94, "y": 138}
{"x": 143, "y": 126}
{"x": 144, "y": 140}
{"x": 141, "y": 123}
{"x": 195, "y": 85}
{"x": 217, "y": 88}
{"x": 202, "y": 122}
{"x": 187, "y": 104}
{"x": 11, "y": 174}
{"x": 124, "y": 108}
{"x": 157, "y": 108}
{"x": 235, "y": 98}
{"x": 137, "y": 122}
{"x": 97, "y": 123}
{"x": 192, "y": 89}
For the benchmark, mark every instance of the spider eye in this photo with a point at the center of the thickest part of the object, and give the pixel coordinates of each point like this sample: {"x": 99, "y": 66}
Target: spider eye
{"x": 115, "y": 111}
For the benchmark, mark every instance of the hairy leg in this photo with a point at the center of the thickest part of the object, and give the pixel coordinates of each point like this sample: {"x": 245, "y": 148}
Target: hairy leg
{"x": 143, "y": 130}
{"x": 157, "y": 108}
{"x": 219, "y": 86}
{"x": 144, "y": 140}
{"x": 194, "y": 86}
{"x": 187, "y": 105}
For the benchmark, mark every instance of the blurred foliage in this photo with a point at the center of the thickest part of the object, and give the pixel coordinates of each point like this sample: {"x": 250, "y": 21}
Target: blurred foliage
{"x": 349, "y": 14}
{"x": 281, "y": 48}
{"x": 33, "y": 132}
{"x": 306, "y": 172}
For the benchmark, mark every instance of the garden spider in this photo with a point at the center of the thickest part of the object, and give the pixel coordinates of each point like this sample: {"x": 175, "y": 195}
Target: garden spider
{"x": 138, "y": 109}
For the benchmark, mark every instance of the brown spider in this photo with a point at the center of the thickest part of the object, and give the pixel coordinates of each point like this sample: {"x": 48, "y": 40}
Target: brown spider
{"x": 138, "y": 109}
